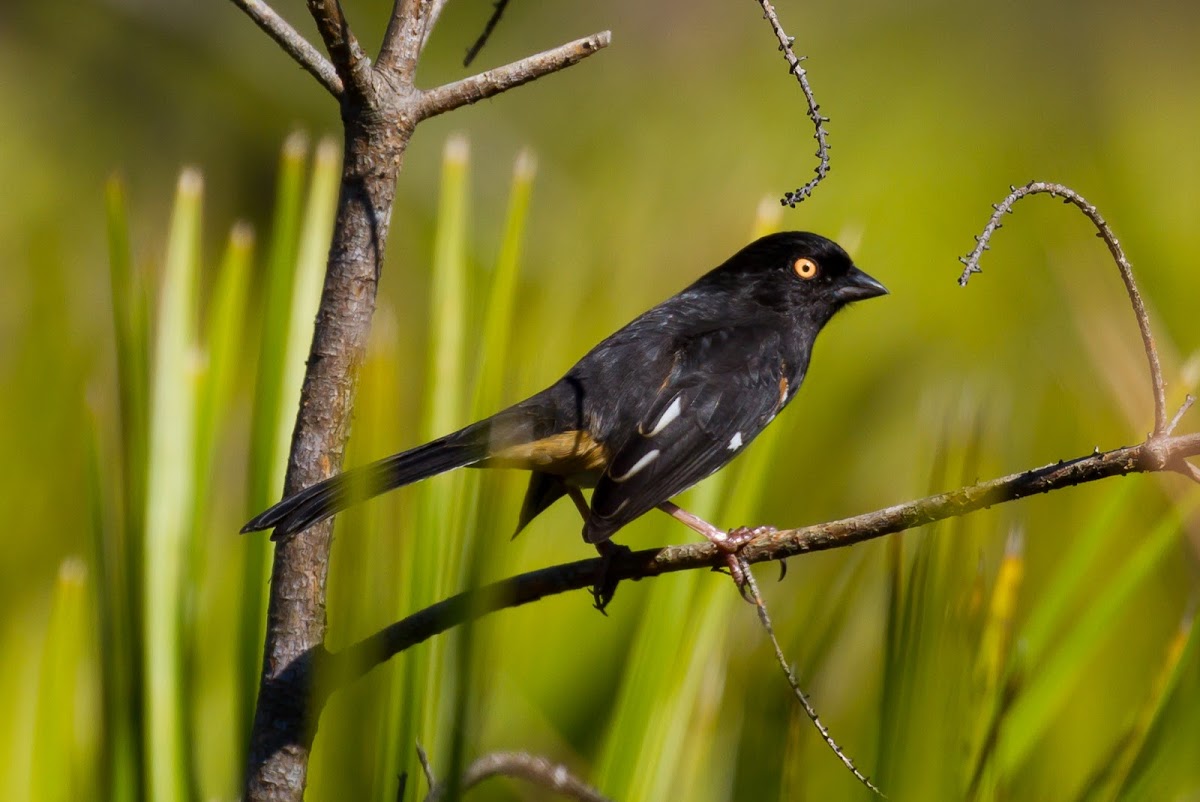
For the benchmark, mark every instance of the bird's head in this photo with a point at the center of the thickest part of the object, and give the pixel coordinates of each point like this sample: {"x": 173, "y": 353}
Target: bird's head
{"x": 801, "y": 274}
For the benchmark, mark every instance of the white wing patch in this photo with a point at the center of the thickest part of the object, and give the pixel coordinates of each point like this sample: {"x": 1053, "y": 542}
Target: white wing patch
{"x": 735, "y": 442}
{"x": 649, "y": 457}
{"x": 669, "y": 415}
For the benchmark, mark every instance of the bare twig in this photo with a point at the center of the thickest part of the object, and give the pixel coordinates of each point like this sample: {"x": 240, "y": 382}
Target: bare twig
{"x": 408, "y": 31}
{"x": 1188, "y": 400}
{"x": 1189, "y": 470}
{"x": 295, "y": 45}
{"x": 426, "y": 768}
{"x": 537, "y": 770}
{"x": 790, "y": 675}
{"x": 431, "y": 18}
{"x": 344, "y": 50}
{"x": 356, "y": 660}
{"x": 493, "y": 82}
{"x": 473, "y": 50}
{"x": 971, "y": 265}
{"x": 814, "y": 110}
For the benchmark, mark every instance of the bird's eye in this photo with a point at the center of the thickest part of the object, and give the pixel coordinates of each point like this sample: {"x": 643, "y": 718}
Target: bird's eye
{"x": 805, "y": 268}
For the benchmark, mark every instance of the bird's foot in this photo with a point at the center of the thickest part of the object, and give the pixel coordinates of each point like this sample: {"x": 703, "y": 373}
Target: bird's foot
{"x": 606, "y": 584}
{"x": 731, "y": 543}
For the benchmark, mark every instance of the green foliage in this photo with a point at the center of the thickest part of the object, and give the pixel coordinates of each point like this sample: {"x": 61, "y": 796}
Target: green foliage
{"x": 972, "y": 661}
{"x": 958, "y": 662}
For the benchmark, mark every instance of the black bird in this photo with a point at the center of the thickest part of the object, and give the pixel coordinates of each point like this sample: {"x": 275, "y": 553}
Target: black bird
{"x": 651, "y": 410}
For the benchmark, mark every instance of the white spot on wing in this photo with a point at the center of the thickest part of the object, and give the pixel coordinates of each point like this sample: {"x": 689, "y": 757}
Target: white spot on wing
{"x": 671, "y": 413}
{"x": 735, "y": 442}
{"x": 646, "y": 459}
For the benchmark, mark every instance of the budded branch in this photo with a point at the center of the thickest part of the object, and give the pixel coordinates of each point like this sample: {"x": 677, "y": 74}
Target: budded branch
{"x": 493, "y": 82}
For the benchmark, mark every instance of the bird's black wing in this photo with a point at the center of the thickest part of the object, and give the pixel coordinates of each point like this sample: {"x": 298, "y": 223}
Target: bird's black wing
{"x": 725, "y": 386}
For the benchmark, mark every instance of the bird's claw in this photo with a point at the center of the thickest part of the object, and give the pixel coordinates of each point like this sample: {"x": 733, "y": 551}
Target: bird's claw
{"x": 605, "y": 586}
{"x": 731, "y": 545}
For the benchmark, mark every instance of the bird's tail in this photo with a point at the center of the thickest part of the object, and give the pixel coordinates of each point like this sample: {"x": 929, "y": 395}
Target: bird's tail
{"x": 318, "y": 502}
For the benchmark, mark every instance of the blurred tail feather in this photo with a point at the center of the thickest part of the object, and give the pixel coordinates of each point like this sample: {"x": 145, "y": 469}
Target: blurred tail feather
{"x": 318, "y": 502}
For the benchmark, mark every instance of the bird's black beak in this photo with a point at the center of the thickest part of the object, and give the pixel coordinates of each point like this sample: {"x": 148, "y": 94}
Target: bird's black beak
{"x": 858, "y": 286}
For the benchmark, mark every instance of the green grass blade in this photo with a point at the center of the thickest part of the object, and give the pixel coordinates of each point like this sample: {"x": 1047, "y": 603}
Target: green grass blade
{"x": 1053, "y": 610}
{"x": 262, "y": 490}
{"x": 656, "y": 715}
{"x": 1113, "y": 776}
{"x": 224, "y": 338}
{"x": 311, "y": 259}
{"x": 120, "y": 600}
{"x": 276, "y": 306}
{"x": 170, "y": 484}
{"x": 991, "y": 666}
{"x": 1166, "y": 757}
{"x": 60, "y": 766}
{"x": 488, "y": 396}
{"x": 432, "y": 543}
{"x": 934, "y": 653}
{"x": 437, "y": 557}
{"x": 498, "y": 319}
{"x": 131, "y": 329}
{"x": 118, "y": 764}
{"x": 1035, "y": 709}
{"x": 446, "y": 377}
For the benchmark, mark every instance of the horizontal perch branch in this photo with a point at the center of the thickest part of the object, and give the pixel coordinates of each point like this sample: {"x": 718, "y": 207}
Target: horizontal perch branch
{"x": 1157, "y": 454}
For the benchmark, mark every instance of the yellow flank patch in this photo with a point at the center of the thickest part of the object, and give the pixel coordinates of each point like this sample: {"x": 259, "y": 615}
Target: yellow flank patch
{"x": 561, "y": 454}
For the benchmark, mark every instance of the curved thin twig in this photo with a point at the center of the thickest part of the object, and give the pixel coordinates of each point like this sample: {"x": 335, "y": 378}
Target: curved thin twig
{"x": 971, "y": 265}
{"x": 295, "y": 45}
{"x": 537, "y": 770}
{"x": 814, "y": 110}
{"x": 473, "y": 50}
{"x": 790, "y": 675}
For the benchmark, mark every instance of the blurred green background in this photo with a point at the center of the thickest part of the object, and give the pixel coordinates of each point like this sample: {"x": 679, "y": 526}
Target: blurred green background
{"x": 1067, "y": 671}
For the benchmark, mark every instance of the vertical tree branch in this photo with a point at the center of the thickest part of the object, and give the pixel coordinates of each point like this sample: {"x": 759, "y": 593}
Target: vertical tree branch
{"x": 380, "y": 107}
{"x": 407, "y": 31}
{"x": 281, "y": 736}
{"x": 349, "y": 60}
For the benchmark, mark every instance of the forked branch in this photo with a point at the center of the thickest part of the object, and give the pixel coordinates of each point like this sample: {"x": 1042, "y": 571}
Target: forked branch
{"x": 380, "y": 106}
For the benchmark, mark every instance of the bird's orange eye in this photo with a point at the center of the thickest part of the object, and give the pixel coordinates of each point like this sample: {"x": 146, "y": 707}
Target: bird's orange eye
{"x": 805, "y": 268}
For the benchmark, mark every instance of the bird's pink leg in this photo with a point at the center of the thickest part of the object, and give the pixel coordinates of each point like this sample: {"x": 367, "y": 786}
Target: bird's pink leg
{"x": 729, "y": 542}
